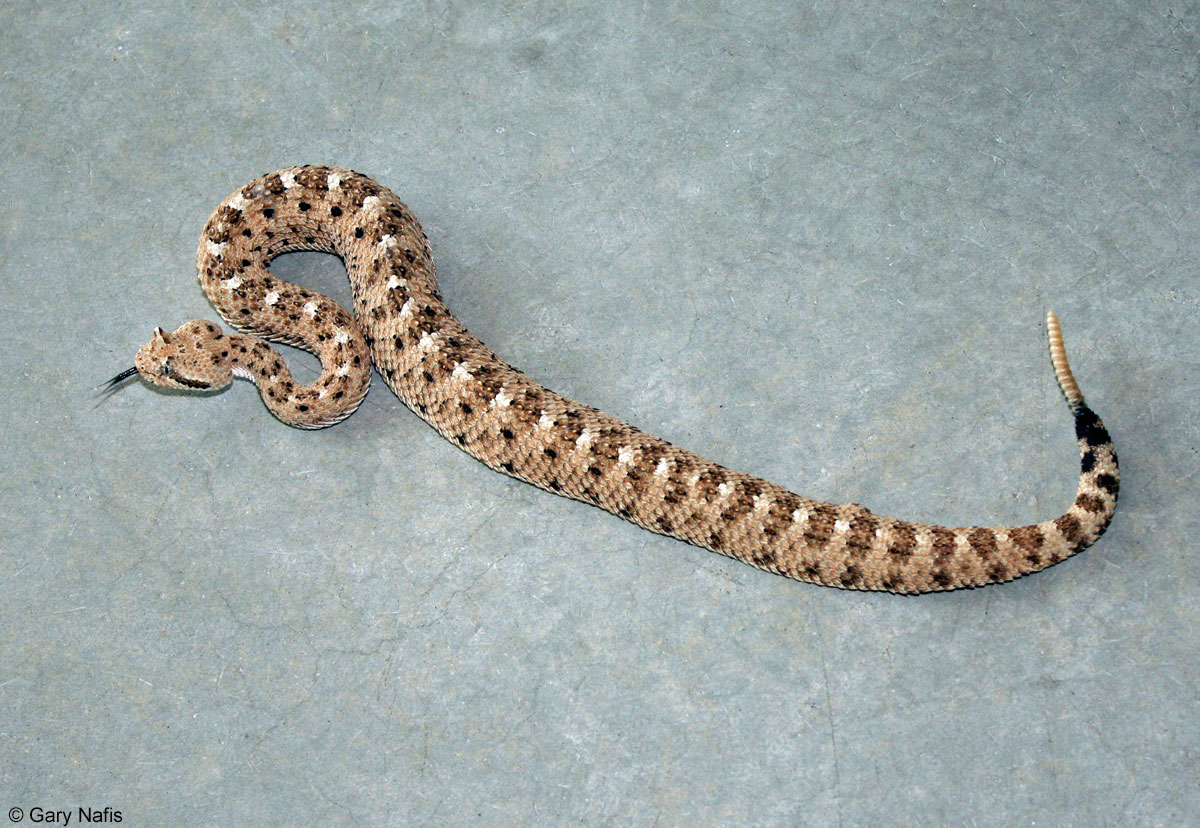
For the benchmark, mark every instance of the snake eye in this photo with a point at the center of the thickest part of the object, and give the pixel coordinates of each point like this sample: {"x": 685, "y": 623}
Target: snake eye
{"x": 166, "y": 369}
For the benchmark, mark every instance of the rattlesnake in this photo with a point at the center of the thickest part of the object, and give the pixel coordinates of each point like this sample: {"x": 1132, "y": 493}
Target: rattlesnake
{"x": 498, "y": 415}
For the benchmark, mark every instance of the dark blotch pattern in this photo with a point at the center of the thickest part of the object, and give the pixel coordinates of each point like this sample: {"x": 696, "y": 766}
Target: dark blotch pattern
{"x": 1071, "y": 530}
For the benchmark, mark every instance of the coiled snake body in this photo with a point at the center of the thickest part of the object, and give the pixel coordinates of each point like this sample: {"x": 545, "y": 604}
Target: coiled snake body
{"x": 514, "y": 425}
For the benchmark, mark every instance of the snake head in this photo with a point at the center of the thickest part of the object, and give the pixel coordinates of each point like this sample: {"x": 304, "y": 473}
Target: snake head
{"x": 190, "y": 358}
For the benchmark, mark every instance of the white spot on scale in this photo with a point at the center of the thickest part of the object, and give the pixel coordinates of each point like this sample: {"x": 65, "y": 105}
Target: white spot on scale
{"x": 371, "y": 203}
{"x": 427, "y": 342}
{"x": 321, "y": 394}
{"x": 406, "y": 311}
{"x": 333, "y": 180}
{"x": 625, "y": 454}
{"x": 800, "y": 515}
{"x": 395, "y": 281}
{"x": 232, "y": 283}
{"x": 343, "y": 369}
{"x": 545, "y": 422}
{"x": 288, "y": 179}
{"x": 460, "y": 373}
{"x": 762, "y": 503}
{"x": 238, "y": 202}
{"x": 310, "y": 308}
{"x": 214, "y": 248}
{"x": 840, "y": 526}
{"x": 725, "y": 489}
{"x": 388, "y": 241}
{"x": 662, "y": 468}
{"x": 585, "y": 438}
{"x": 271, "y": 298}
{"x": 340, "y": 338}
{"x": 503, "y": 399}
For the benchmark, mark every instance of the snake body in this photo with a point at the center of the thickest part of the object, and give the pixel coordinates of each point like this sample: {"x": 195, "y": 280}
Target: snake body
{"x": 503, "y": 418}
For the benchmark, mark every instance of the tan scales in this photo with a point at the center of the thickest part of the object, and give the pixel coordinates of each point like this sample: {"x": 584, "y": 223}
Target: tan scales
{"x": 514, "y": 425}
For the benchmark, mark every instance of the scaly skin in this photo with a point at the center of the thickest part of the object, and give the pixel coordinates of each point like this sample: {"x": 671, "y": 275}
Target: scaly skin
{"x": 514, "y": 425}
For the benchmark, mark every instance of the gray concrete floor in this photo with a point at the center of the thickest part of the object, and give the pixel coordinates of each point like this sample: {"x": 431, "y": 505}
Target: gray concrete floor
{"x": 815, "y": 243}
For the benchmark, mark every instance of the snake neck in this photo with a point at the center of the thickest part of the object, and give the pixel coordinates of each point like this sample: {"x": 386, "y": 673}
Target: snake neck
{"x": 323, "y": 402}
